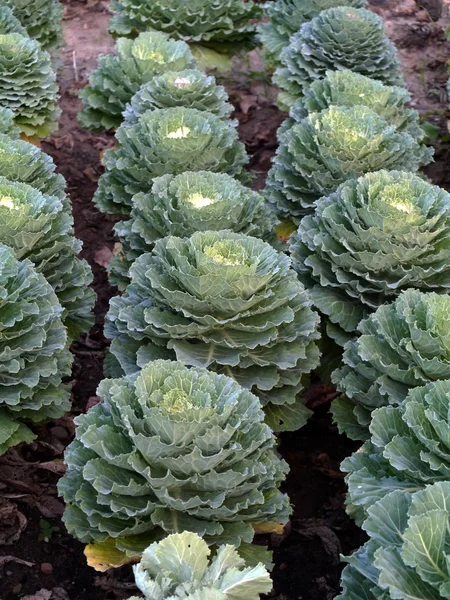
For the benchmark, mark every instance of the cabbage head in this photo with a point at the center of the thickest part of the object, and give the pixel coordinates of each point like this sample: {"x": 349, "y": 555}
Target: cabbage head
{"x": 42, "y": 20}
{"x": 38, "y": 228}
{"x": 373, "y": 238}
{"x": 224, "y": 25}
{"x": 7, "y": 124}
{"x": 180, "y": 568}
{"x": 172, "y": 140}
{"x": 180, "y": 205}
{"x": 287, "y": 16}
{"x": 407, "y": 556}
{"x": 409, "y": 449}
{"x": 33, "y": 354}
{"x": 402, "y": 345}
{"x": 225, "y": 301}
{"x": 346, "y": 88}
{"x": 175, "y": 449}
{"x": 28, "y": 85}
{"x": 338, "y": 38}
{"x": 190, "y": 88}
{"x": 9, "y": 23}
{"x": 326, "y": 149}
{"x": 119, "y": 76}
{"x": 26, "y": 163}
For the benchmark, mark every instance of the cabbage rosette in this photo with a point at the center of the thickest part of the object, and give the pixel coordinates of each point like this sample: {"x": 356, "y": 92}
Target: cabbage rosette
{"x": 338, "y": 38}
{"x": 42, "y": 20}
{"x": 180, "y": 205}
{"x": 33, "y": 354}
{"x": 225, "y": 301}
{"x": 370, "y": 240}
{"x": 401, "y": 346}
{"x": 175, "y": 449}
{"x": 166, "y": 141}
{"x": 118, "y": 77}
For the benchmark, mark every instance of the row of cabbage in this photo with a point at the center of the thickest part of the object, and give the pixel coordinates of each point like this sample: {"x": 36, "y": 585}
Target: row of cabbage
{"x": 372, "y": 249}
{"x": 45, "y": 299}
{"x": 209, "y": 311}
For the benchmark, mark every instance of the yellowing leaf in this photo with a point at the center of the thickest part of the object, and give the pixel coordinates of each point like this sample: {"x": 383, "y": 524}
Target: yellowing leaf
{"x": 210, "y": 59}
{"x": 284, "y": 230}
{"x": 31, "y": 139}
{"x": 102, "y": 556}
{"x": 270, "y": 527}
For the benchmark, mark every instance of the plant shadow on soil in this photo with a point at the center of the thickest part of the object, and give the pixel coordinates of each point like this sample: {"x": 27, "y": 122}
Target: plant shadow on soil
{"x": 307, "y": 565}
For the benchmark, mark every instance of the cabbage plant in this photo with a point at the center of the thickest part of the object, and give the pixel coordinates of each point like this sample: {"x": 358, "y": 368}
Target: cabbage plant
{"x": 28, "y": 85}
{"x": 401, "y": 346}
{"x": 190, "y": 88}
{"x": 119, "y": 76}
{"x": 172, "y": 141}
{"x": 42, "y": 20}
{"x": 225, "y": 301}
{"x": 326, "y": 149}
{"x": 180, "y": 205}
{"x": 346, "y": 88}
{"x": 39, "y": 228}
{"x": 224, "y": 25}
{"x": 407, "y": 556}
{"x": 175, "y": 449}
{"x": 33, "y": 354}
{"x": 409, "y": 449}
{"x": 180, "y": 568}
{"x": 370, "y": 240}
{"x": 287, "y": 16}
{"x": 9, "y": 23}
{"x": 338, "y": 38}
{"x": 7, "y": 124}
{"x": 26, "y": 163}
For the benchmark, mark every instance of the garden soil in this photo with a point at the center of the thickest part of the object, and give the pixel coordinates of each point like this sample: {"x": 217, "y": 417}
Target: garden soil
{"x": 38, "y": 559}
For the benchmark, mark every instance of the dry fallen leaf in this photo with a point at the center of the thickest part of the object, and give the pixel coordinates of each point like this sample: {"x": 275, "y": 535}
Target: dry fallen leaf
{"x": 103, "y": 256}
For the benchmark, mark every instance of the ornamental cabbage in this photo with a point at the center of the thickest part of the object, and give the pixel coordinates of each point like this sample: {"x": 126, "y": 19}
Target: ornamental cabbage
{"x": 326, "y": 149}
{"x": 28, "y": 85}
{"x": 33, "y": 354}
{"x": 7, "y": 125}
{"x": 346, "y": 88}
{"x": 338, "y": 38}
{"x": 42, "y": 19}
{"x": 118, "y": 77}
{"x": 370, "y": 240}
{"x": 166, "y": 141}
{"x": 409, "y": 449}
{"x": 9, "y": 23}
{"x": 26, "y": 163}
{"x": 407, "y": 556}
{"x": 38, "y": 228}
{"x": 225, "y": 25}
{"x": 286, "y": 18}
{"x": 183, "y": 204}
{"x": 175, "y": 449}
{"x": 402, "y": 345}
{"x": 225, "y": 301}
{"x": 179, "y": 568}
{"x": 190, "y": 88}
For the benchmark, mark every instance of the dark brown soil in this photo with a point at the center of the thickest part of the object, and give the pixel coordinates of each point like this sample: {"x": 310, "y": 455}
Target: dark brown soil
{"x": 306, "y": 557}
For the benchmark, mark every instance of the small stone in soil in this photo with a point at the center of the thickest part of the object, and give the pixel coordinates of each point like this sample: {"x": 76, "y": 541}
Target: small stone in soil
{"x": 47, "y": 568}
